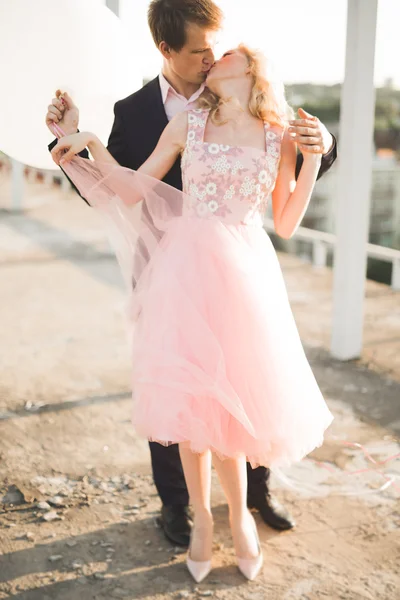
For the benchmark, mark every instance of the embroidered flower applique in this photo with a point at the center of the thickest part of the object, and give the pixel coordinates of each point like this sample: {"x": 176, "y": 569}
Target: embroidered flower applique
{"x": 221, "y": 165}
{"x": 248, "y": 186}
{"x": 213, "y": 148}
{"x": 272, "y": 149}
{"x": 195, "y": 121}
{"x": 211, "y": 188}
{"x": 237, "y": 167}
{"x": 263, "y": 176}
{"x": 229, "y": 193}
{"x": 194, "y": 191}
{"x": 213, "y": 205}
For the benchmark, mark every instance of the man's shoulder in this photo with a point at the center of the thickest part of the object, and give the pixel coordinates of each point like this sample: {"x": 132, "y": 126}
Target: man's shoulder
{"x": 140, "y": 97}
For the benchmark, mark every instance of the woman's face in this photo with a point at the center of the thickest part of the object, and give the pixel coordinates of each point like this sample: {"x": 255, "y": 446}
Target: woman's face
{"x": 232, "y": 65}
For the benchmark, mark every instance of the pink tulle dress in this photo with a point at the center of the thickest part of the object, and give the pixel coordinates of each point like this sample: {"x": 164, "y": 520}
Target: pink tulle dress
{"x": 217, "y": 359}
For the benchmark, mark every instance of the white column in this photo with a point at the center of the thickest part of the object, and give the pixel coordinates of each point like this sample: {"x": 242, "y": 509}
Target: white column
{"x": 354, "y": 180}
{"x": 17, "y": 184}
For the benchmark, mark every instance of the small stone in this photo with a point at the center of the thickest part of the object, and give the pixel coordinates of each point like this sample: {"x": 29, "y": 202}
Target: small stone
{"x": 183, "y": 594}
{"x": 43, "y": 506}
{"x": 55, "y": 557}
{"x": 205, "y": 593}
{"x": 77, "y": 564}
{"x": 82, "y": 580}
{"x": 147, "y": 543}
{"x": 56, "y": 501}
{"x": 99, "y": 576}
{"x": 29, "y": 536}
{"x": 105, "y": 544}
{"x": 120, "y": 593}
{"x": 13, "y": 497}
{"x": 109, "y": 560}
{"x": 94, "y": 543}
{"x": 51, "y": 516}
{"x": 71, "y": 543}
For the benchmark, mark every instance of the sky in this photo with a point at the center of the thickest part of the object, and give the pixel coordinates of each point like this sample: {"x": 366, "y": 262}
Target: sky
{"x": 305, "y": 39}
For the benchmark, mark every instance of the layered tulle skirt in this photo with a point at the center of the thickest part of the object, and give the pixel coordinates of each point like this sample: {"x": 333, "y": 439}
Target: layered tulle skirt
{"x": 217, "y": 359}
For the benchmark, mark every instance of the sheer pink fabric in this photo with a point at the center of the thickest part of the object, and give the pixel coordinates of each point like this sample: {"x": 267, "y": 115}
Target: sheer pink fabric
{"x": 217, "y": 359}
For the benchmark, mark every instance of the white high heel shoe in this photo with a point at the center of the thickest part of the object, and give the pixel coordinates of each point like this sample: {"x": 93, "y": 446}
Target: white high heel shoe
{"x": 250, "y": 567}
{"x": 198, "y": 569}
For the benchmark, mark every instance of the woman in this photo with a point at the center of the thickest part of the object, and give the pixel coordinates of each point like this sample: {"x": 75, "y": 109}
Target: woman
{"x": 218, "y": 364}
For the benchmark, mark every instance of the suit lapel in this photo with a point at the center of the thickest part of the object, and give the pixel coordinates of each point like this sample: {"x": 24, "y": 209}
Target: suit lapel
{"x": 156, "y": 108}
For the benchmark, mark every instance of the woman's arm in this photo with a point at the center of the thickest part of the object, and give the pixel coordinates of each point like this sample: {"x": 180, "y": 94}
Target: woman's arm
{"x": 290, "y": 198}
{"x": 170, "y": 145}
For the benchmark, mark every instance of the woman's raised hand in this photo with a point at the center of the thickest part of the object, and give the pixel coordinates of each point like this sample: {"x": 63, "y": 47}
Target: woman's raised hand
{"x": 70, "y": 145}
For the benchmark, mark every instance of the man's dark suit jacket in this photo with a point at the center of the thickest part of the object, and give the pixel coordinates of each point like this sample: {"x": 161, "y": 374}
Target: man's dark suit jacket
{"x": 139, "y": 122}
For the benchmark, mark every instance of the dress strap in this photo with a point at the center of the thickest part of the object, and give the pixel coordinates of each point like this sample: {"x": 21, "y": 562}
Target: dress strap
{"x": 273, "y": 133}
{"x": 197, "y": 119}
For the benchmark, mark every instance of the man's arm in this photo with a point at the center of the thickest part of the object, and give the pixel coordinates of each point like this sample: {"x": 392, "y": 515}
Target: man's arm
{"x": 312, "y": 136}
{"x": 117, "y": 139}
{"x": 327, "y": 160}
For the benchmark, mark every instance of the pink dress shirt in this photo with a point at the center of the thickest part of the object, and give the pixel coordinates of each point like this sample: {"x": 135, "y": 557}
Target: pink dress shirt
{"x": 173, "y": 102}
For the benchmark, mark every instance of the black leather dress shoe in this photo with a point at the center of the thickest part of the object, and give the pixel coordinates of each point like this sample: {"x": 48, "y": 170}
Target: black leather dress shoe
{"x": 176, "y": 522}
{"x": 272, "y": 512}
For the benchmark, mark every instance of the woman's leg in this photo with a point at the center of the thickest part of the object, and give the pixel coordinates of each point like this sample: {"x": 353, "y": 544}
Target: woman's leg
{"x": 197, "y": 470}
{"x": 232, "y": 474}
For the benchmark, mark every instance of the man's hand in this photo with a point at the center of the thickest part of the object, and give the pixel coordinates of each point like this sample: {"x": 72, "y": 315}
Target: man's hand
{"x": 310, "y": 134}
{"x": 63, "y": 111}
{"x": 70, "y": 145}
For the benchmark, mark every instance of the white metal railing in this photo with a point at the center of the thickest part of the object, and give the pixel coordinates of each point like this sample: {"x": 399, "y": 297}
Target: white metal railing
{"x": 322, "y": 241}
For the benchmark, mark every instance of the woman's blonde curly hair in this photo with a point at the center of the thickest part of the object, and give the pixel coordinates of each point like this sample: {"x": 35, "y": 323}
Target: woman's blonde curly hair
{"x": 267, "y": 99}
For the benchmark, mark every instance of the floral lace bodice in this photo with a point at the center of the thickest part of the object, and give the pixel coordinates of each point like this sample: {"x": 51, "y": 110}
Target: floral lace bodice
{"x": 229, "y": 183}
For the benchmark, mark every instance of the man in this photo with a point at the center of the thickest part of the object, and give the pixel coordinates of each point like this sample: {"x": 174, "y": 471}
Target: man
{"x": 184, "y": 31}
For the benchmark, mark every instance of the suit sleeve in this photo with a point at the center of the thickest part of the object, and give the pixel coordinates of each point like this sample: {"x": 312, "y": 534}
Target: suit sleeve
{"x": 83, "y": 154}
{"x": 117, "y": 140}
{"x": 327, "y": 160}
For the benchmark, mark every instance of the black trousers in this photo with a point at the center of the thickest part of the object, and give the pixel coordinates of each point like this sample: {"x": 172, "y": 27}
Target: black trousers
{"x": 170, "y": 481}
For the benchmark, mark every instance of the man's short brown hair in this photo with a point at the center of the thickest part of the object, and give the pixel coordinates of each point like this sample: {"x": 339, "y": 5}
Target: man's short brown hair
{"x": 168, "y": 19}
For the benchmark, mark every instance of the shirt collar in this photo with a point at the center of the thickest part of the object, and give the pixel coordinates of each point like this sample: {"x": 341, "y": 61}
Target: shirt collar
{"x": 167, "y": 88}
